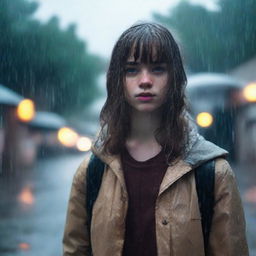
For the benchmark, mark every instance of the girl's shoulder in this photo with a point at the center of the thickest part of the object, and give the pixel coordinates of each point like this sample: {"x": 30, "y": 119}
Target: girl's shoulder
{"x": 225, "y": 181}
{"x": 79, "y": 178}
{"x": 223, "y": 169}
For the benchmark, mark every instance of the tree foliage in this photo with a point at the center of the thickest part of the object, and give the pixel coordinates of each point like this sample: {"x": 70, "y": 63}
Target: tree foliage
{"x": 43, "y": 62}
{"x": 214, "y": 40}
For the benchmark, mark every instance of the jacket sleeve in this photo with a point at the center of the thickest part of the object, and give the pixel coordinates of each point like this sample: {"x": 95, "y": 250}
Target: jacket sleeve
{"x": 76, "y": 240}
{"x": 227, "y": 235}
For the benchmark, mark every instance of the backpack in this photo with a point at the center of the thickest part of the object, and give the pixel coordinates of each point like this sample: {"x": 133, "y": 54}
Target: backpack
{"x": 204, "y": 178}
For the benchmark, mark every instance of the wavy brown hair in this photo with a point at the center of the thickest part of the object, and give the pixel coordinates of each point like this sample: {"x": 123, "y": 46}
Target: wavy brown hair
{"x": 147, "y": 42}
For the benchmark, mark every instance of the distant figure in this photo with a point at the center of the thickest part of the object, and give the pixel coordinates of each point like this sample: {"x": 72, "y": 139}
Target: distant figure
{"x": 153, "y": 186}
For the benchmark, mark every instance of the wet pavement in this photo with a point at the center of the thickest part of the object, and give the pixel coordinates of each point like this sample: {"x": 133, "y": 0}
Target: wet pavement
{"x": 33, "y": 207}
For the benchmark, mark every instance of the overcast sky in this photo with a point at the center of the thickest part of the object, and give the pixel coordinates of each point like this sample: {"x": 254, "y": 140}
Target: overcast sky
{"x": 100, "y": 22}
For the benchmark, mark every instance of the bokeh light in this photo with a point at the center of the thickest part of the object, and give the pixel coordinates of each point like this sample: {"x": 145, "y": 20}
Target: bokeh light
{"x": 204, "y": 119}
{"x": 250, "y": 92}
{"x": 84, "y": 144}
{"x": 26, "y": 110}
{"x": 67, "y": 136}
{"x": 24, "y": 246}
{"x": 26, "y": 196}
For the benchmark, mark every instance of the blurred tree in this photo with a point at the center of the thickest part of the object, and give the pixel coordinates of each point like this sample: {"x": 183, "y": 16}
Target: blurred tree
{"x": 214, "y": 40}
{"x": 43, "y": 62}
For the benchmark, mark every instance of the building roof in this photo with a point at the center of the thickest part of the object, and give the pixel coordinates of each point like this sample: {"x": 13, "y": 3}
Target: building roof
{"x": 48, "y": 120}
{"x": 9, "y": 97}
{"x": 213, "y": 80}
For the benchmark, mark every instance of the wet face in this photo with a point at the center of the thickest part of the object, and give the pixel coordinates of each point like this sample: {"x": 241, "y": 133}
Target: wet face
{"x": 145, "y": 84}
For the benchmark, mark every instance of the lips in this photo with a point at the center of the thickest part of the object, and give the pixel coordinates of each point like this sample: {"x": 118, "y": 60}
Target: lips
{"x": 145, "y": 96}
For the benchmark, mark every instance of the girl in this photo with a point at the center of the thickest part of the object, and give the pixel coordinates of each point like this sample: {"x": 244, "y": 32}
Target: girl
{"x": 147, "y": 203}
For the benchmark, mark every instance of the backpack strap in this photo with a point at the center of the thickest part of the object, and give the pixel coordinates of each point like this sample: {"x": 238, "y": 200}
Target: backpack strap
{"x": 94, "y": 175}
{"x": 205, "y": 180}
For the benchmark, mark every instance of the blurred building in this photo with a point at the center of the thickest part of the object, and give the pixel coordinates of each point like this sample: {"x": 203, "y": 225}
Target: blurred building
{"x": 24, "y": 133}
{"x": 10, "y": 128}
{"x": 247, "y": 125}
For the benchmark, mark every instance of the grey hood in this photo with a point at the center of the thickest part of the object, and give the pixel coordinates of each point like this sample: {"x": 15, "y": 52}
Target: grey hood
{"x": 199, "y": 150}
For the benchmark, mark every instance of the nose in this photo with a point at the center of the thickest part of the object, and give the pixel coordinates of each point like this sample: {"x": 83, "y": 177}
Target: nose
{"x": 145, "y": 80}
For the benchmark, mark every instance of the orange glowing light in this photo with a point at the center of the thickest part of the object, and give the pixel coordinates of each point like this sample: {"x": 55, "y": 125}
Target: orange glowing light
{"x": 24, "y": 246}
{"x": 67, "y": 137}
{"x": 26, "y": 110}
{"x": 84, "y": 144}
{"x": 26, "y": 196}
{"x": 250, "y": 92}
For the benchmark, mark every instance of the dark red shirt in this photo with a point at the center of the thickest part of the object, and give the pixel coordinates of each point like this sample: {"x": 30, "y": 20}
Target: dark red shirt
{"x": 143, "y": 181}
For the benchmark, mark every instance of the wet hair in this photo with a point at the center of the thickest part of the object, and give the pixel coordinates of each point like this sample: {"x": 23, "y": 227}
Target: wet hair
{"x": 147, "y": 42}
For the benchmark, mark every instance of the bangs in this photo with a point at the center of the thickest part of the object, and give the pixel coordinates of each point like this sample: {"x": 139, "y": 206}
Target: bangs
{"x": 148, "y": 46}
{"x": 148, "y": 52}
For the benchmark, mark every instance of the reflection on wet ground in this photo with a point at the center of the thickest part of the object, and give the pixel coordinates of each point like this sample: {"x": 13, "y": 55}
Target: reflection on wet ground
{"x": 33, "y": 206}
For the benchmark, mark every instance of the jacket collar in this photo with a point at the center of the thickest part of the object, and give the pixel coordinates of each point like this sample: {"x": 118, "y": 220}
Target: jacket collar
{"x": 173, "y": 173}
{"x": 114, "y": 163}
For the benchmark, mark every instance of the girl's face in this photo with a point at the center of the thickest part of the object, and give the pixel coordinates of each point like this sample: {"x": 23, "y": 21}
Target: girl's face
{"x": 145, "y": 85}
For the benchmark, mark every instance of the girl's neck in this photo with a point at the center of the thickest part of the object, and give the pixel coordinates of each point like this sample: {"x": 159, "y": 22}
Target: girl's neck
{"x": 144, "y": 125}
{"x": 141, "y": 142}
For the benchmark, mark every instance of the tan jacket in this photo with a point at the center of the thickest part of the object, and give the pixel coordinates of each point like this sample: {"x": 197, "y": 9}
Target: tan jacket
{"x": 178, "y": 221}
